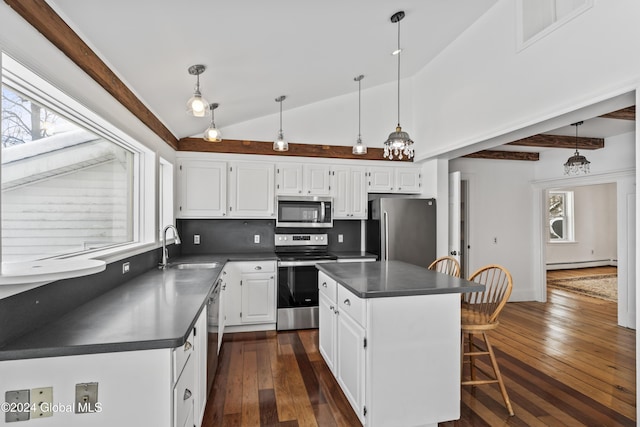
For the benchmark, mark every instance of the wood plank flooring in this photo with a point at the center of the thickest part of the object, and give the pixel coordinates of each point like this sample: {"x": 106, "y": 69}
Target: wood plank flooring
{"x": 565, "y": 363}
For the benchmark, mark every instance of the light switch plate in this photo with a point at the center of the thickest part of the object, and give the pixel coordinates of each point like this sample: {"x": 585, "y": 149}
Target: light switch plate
{"x": 196, "y": 239}
{"x": 256, "y": 238}
{"x": 16, "y": 400}
{"x": 340, "y": 238}
{"x": 42, "y": 402}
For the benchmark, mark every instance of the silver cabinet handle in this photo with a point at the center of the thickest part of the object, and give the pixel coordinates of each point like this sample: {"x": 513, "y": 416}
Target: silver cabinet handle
{"x": 187, "y": 346}
{"x": 324, "y": 284}
{"x": 347, "y": 302}
{"x": 187, "y": 394}
{"x": 257, "y": 267}
{"x": 332, "y": 308}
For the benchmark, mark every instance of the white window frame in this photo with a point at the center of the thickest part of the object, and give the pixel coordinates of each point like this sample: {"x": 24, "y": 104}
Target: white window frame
{"x": 143, "y": 218}
{"x": 165, "y": 195}
{"x": 568, "y": 219}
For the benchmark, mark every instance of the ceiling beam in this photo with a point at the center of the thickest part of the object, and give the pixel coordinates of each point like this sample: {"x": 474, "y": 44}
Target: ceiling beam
{"x": 235, "y": 146}
{"x": 560, "y": 141}
{"x": 628, "y": 113}
{"x": 504, "y": 155}
{"x": 44, "y": 19}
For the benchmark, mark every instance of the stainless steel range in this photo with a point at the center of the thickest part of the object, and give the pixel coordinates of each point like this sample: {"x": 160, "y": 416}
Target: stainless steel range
{"x": 298, "y": 278}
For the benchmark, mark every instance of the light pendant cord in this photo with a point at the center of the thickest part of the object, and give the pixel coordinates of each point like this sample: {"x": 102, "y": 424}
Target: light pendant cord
{"x": 281, "y": 116}
{"x": 359, "y": 106}
{"x": 399, "y": 53}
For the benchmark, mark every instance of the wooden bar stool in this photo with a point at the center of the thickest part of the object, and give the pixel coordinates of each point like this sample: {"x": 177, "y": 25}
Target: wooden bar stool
{"x": 479, "y": 315}
{"x": 447, "y": 265}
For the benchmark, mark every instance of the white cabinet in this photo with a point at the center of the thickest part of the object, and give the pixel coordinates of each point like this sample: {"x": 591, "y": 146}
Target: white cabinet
{"x": 350, "y": 192}
{"x": 251, "y": 190}
{"x": 387, "y": 179}
{"x": 327, "y": 319}
{"x": 203, "y": 189}
{"x": 251, "y": 299}
{"x": 303, "y": 180}
{"x": 200, "y": 337}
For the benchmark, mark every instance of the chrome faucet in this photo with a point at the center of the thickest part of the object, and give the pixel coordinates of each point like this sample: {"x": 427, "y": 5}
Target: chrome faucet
{"x": 165, "y": 251}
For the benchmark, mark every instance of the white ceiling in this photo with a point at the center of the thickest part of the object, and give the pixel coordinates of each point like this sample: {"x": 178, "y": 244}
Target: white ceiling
{"x": 257, "y": 50}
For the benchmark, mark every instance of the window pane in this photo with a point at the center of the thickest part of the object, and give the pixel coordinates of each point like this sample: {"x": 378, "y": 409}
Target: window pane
{"x": 556, "y": 216}
{"x": 65, "y": 189}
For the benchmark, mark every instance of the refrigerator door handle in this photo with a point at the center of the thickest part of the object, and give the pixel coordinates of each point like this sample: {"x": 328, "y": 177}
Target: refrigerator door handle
{"x": 385, "y": 216}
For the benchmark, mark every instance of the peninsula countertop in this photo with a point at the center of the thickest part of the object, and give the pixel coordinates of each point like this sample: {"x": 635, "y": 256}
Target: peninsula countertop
{"x": 393, "y": 279}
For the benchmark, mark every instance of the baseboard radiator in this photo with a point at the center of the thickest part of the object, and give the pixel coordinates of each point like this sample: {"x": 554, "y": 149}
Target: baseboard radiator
{"x": 582, "y": 264}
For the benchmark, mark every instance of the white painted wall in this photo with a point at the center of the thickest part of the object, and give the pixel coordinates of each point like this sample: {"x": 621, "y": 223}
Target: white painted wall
{"x": 595, "y": 228}
{"x": 481, "y": 86}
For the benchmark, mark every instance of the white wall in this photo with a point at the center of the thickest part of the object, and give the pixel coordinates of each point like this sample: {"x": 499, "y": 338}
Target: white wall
{"x": 595, "y": 228}
{"x": 500, "y": 207}
{"x": 481, "y": 86}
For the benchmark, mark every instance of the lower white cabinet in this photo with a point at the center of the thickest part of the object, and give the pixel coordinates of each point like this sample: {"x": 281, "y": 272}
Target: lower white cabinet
{"x": 397, "y": 359}
{"x": 251, "y": 298}
{"x": 200, "y": 344}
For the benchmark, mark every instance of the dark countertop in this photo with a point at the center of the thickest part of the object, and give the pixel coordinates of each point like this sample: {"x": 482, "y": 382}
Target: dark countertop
{"x": 394, "y": 278}
{"x": 155, "y": 310}
{"x": 354, "y": 255}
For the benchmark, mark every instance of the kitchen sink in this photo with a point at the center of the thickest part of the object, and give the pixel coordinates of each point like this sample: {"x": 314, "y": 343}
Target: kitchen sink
{"x": 195, "y": 265}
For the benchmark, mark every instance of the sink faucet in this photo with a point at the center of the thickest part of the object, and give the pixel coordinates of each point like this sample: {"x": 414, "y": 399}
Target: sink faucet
{"x": 165, "y": 252}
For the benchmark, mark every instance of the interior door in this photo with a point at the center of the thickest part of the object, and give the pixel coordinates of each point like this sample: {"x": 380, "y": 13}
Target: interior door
{"x": 454, "y": 215}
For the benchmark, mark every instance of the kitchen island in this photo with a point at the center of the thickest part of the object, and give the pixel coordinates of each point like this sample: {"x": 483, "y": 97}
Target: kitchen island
{"x": 390, "y": 334}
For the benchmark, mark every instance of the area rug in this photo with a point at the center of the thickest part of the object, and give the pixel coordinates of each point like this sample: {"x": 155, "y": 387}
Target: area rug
{"x": 603, "y": 286}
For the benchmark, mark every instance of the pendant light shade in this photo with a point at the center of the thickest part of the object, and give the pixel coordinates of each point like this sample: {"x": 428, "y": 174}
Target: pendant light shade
{"x": 398, "y": 144}
{"x": 577, "y": 164}
{"x": 280, "y": 144}
{"x": 212, "y": 134}
{"x": 197, "y": 106}
{"x": 359, "y": 148}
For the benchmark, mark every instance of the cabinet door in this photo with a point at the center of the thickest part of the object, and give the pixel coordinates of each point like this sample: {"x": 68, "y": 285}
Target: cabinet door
{"x": 232, "y": 295}
{"x": 327, "y": 330}
{"x": 340, "y": 177}
{"x": 358, "y": 196}
{"x": 380, "y": 179}
{"x": 258, "y": 298}
{"x": 289, "y": 179}
{"x": 408, "y": 180}
{"x": 317, "y": 180}
{"x": 252, "y": 191}
{"x": 183, "y": 395}
{"x": 203, "y": 189}
{"x": 350, "y": 360}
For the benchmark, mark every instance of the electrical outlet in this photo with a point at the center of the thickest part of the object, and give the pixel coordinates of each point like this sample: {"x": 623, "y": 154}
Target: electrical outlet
{"x": 495, "y": 240}
{"x": 340, "y": 238}
{"x": 42, "y": 402}
{"x": 196, "y": 239}
{"x": 256, "y": 238}
{"x": 125, "y": 267}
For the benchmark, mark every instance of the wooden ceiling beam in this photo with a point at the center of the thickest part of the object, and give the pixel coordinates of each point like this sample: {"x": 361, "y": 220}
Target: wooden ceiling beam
{"x": 236, "y": 146}
{"x": 628, "y": 113}
{"x": 44, "y": 19}
{"x": 560, "y": 141}
{"x": 504, "y": 155}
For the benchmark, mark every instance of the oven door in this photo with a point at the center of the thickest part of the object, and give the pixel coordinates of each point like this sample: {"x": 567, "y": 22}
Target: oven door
{"x": 304, "y": 212}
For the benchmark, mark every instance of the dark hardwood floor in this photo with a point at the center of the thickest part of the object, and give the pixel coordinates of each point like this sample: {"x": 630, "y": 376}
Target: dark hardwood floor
{"x": 565, "y": 363}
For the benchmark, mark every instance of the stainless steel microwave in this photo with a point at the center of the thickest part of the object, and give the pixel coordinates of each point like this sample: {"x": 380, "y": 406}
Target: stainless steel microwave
{"x": 304, "y": 212}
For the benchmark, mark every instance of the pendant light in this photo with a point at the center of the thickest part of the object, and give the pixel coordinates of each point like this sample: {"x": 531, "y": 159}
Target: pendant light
{"x": 359, "y": 148}
{"x": 212, "y": 134}
{"x": 280, "y": 144}
{"x": 576, "y": 164}
{"x": 197, "y": 106}
{"x": 399, "y": 143}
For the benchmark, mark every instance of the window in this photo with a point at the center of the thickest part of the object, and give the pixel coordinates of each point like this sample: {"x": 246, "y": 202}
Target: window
{"x": 165, "y": 191}
{"x": 561, "y": 216}
{"x": 71, "y": 182}
{"x": 538, "y": 18}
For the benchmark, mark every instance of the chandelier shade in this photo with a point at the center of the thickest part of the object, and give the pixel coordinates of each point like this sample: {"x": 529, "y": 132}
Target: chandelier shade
{"x": 197, "y": 105}
{"x": 577, "y": 164}
{"x": 213, "y": 134}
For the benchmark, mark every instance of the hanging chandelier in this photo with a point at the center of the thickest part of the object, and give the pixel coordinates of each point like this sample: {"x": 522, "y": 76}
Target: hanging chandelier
{"x": 197, "y": 106}
{"x": 576, "y": 164}
{"x": 280, "y": 144}
{"x": 213, "y": 134}
{"x": 359, "y": 148}
{"x": 399, "y": 144}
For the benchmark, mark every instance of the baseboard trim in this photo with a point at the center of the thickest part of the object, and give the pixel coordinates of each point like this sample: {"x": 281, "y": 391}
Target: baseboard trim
{"x": 582, "y": 264}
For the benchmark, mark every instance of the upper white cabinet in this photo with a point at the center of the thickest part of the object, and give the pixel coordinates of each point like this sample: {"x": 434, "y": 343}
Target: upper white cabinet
{"x": 386, "y": 179}
{"x": 203, "y": 189}
{"x": 349, "y": 192}
{"x": 251, "y": 190}
{"x": 303, "y": 180}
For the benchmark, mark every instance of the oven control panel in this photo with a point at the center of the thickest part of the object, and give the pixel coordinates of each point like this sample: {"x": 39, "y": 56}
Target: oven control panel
{"x": 301, "y": 239}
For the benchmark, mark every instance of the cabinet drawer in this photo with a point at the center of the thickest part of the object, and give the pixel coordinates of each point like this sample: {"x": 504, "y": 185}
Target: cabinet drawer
{"x": 352, "y": 305}
{"x": 180, "y": 356}
{"x": 327, "y": 286}
{"x": 257, "y": 267}
{"x": 184, "y": 395}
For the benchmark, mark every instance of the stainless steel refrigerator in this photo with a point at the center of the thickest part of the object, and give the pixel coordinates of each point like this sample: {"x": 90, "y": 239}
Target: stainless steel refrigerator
{"x": 402, "y": 229}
